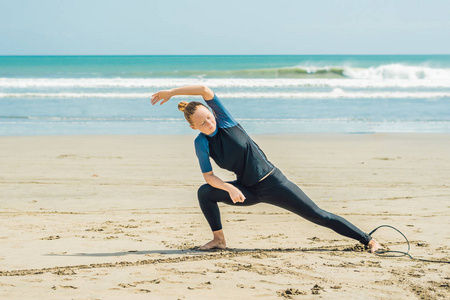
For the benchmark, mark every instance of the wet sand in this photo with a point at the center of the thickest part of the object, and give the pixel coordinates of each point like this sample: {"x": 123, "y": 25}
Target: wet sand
{"x": 108, "y": 217}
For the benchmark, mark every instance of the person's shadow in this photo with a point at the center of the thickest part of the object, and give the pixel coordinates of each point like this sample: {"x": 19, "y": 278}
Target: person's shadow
{"x": 131, "y": 252}
{"x": 196, "y": 251}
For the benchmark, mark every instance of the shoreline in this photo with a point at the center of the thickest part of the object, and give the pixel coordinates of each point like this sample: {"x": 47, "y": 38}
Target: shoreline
{"x": 251, "y": 134}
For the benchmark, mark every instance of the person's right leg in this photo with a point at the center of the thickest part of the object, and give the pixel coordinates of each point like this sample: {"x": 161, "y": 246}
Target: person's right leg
{"x": 208, "y": 197}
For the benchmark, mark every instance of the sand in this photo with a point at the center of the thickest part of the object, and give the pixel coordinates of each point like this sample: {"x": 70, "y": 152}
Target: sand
{"x": 116, "y": 217}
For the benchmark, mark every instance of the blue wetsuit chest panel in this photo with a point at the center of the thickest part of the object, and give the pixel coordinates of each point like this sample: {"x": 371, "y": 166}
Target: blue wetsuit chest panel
{"x": 231, "y": 148}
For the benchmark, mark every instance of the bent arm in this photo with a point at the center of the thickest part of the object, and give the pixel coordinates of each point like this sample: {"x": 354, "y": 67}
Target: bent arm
{"x": 165, "y": 95}
{"x": 200, "y": 90}
{"x": 216, "y": 182}
{"x": 235, "y": 194}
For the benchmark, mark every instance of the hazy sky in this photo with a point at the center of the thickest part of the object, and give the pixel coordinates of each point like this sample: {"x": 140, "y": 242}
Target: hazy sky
{"x": 149, "y": 27}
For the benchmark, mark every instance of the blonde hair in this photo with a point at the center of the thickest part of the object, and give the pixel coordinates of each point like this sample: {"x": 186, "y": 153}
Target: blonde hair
{"x": 189, "y": 109}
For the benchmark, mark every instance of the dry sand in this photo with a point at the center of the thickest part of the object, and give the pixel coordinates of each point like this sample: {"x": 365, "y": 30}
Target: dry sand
{"x": 116, "y": 217}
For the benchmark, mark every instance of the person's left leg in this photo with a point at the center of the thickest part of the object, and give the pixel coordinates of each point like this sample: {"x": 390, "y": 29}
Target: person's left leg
{"x": 289, "y": 196}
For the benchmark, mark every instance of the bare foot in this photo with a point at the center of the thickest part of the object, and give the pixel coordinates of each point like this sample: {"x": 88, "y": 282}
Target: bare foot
{"x": 214, "y": 244}
{"x": 374, "y": 246}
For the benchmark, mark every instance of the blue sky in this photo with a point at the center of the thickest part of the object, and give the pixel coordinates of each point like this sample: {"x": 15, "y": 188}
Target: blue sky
{"x": 148, "y": 27}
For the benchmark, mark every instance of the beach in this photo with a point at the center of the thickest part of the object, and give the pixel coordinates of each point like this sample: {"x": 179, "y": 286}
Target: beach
{"x": 116, "y": 216}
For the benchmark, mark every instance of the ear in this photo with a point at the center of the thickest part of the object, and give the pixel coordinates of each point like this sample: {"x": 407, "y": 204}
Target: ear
{"x": 192, "y": 126}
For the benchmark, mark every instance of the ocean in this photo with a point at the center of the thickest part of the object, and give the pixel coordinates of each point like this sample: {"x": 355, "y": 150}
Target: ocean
{"x": 276, "y": 94}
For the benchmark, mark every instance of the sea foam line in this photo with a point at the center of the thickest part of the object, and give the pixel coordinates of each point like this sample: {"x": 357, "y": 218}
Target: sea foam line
{"x": 398, "y": 71}
{"x": 131, "y": 119}
{"x": 217, "y": 83}
{"x": 335, "y": 93}
{"x": 21, "y": 119}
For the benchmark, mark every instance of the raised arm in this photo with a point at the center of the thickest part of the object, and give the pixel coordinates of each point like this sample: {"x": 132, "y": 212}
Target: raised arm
{"x": 199, "y": 90}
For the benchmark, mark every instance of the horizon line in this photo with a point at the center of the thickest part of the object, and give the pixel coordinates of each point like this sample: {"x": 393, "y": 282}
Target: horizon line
{"x": 128, "y": 55}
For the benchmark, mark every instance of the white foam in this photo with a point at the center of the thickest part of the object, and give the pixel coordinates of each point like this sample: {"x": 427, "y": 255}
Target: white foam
{"x": 98, "y": 119}
{"x": 398, "y": 71}
{"x": 154, "y": 83}
{"x": 336, "y": 93}
{"x": 339, "y": 93}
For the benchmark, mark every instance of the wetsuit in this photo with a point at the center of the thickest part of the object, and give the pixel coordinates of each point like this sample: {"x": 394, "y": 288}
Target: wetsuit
{"x": 233, "y": 149}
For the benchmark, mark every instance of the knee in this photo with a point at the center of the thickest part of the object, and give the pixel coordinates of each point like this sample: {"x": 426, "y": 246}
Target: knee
{"x": 323, "y": 218}
{"x": 203, "y": 192}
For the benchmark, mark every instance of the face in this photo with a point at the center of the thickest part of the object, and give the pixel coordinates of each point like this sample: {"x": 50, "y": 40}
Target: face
{"x": 203, "y": 120}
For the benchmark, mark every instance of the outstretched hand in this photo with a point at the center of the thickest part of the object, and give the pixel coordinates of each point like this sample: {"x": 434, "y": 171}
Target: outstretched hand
{"x": 161, "y": 95}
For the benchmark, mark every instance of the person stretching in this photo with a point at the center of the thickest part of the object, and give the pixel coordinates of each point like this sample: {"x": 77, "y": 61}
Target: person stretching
{"x": 223, "y": 139}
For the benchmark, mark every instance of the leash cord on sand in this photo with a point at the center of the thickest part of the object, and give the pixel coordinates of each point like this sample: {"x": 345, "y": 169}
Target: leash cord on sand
{"x": 382, "y": 252}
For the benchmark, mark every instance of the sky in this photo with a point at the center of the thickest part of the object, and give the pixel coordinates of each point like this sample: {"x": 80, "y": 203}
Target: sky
{"x": 209, "y": 27}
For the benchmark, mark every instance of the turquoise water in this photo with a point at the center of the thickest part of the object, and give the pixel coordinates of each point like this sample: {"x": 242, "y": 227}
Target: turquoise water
{"x": 60, "y": 95}
{"x": 181, "y": 66}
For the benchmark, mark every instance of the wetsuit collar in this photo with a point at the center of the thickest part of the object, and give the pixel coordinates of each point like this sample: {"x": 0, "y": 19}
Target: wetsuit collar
{"x": 214, "y": 133}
